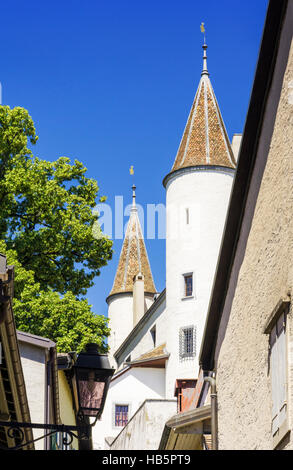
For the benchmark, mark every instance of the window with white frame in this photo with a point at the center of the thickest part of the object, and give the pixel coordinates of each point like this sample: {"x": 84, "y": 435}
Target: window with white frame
{"x": 187, "y": 342}
{"x": 121, "y": 415}
{"x": 278, "y": 368}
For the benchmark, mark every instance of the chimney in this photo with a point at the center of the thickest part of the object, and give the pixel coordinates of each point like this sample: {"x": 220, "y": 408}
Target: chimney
{"x": 236, "y": 144}
{"x": 138, "y": 298}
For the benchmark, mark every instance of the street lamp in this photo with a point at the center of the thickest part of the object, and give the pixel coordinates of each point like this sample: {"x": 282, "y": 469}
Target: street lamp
{"x": 91, "y": 377}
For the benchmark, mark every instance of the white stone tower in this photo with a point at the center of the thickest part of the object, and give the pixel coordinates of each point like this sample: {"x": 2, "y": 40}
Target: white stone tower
{"x": 197, "y": 195}
{"x": 133, "y": 289}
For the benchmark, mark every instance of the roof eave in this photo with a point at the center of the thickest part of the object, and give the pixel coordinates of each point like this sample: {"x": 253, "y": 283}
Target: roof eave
{"x": 184, "y": 169}
{"x": 247, "y": 156}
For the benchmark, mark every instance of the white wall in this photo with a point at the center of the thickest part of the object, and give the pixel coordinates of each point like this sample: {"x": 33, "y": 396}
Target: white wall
{"x": 120, "y": 314}
{"x": 142, "y": 342}
{"x": 192, "y": 248}
{"x": 145, "y": 430}
{"x": 130, "y": 388}
{"x": 33, "y": 360}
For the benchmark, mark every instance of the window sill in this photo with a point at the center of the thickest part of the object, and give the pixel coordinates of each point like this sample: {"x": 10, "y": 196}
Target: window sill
{"x": 188, "y": 297}
{"x": 187, "y": 358}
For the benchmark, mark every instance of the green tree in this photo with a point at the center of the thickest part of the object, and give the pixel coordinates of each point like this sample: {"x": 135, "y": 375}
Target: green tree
{"x": 46, "y": 229}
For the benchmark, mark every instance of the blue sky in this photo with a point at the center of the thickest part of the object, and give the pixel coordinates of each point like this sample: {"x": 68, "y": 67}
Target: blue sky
{"x": 111, "y": 83}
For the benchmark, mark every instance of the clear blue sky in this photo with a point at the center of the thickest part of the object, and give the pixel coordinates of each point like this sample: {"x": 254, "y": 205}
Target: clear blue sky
{"x": 111, "y": 83}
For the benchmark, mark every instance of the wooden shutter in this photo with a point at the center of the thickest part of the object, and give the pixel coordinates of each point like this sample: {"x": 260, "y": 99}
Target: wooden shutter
{"x": 282, "y": 368}
{"x": 278, "y": 362}
{"x": 274, "y": 378}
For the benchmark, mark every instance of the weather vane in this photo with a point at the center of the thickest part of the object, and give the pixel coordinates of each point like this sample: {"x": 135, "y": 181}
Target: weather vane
{"x": 202, "y": 28}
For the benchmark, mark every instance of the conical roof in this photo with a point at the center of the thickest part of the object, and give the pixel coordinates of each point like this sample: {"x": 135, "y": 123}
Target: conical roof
{"x": 205, "y": 140}
{"x": 133, "y": 257}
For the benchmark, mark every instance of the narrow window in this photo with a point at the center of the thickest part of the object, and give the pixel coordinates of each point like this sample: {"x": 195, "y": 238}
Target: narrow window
{"x": 121, "y": 415}
{"x": 187, "y": 216}
{"x": 187, "y": 342}
{"x": 188, "y": 285}
{"x": 153, "y": 333}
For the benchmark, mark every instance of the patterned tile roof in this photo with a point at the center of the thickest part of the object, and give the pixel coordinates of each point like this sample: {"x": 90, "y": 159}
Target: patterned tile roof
{"x": 154, "y": 353}
{"x": 133, "y": 258}
{"x": 205, "y": 140}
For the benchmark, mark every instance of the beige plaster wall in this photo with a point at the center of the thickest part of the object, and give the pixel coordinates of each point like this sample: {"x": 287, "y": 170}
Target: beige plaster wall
{"x": 67, "y": 414}
{"x": 265, "y": 275}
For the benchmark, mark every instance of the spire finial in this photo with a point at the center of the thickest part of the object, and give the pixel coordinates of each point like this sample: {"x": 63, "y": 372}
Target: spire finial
{"x": 205, "y": 65}
{"x": 133, "y": 196}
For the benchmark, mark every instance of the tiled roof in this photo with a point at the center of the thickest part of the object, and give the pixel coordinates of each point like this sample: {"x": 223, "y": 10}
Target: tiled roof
{"x": 205, "y": 140}
{"x": 133, "y": 258}
{"x": 154, "y": 353}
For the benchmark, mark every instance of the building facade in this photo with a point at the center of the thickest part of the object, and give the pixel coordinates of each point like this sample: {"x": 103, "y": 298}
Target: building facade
{"x": 247, "y": 344}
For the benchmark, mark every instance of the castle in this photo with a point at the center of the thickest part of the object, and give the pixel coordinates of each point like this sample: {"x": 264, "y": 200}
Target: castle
{"x": 155, "y": 337}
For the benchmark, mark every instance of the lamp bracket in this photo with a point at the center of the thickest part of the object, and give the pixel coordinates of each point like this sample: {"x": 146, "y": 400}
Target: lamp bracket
{"x": 15, "y": 429}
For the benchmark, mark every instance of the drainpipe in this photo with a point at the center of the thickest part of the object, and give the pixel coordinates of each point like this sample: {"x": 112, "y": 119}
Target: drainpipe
{"x": 214, "y": 407}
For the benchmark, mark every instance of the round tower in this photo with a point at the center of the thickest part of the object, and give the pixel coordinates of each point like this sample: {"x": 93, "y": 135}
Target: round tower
{"x": 197, "y": 195}
{"x": 133, "y": 288}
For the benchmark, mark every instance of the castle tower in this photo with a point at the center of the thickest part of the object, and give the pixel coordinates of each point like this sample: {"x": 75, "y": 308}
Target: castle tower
{"x": 197, "y": 195}
{"x": 133, "y": 288}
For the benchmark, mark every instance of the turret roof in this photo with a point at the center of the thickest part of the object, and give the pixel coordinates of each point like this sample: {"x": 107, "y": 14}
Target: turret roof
{"x": 133, "y": 257}
{"x": 205, "y": 140}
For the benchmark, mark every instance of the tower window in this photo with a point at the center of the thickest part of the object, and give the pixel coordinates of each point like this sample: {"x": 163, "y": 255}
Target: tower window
{"x": 121, "y": 415}
{"x": 188, "y": 285}
{"x": 187, "y": 216}
{"x": 153, "y": 333}
{"x": 187, "y": 340}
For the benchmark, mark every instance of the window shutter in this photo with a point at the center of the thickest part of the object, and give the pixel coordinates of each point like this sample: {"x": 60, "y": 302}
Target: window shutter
{"x": 274, "y": 376}
{"x": 282, "y": 364}
{"x": 278, "y": 373}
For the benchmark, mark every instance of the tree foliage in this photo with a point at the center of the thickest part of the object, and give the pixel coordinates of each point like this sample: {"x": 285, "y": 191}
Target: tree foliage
{"x": 46, "y": 229}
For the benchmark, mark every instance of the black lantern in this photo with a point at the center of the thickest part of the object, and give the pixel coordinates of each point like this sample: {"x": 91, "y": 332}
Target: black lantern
{"x": 91, "y": 379}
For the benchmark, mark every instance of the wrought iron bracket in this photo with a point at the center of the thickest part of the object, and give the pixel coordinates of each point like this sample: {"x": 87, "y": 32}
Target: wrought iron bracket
{"x": 15, "y": 430}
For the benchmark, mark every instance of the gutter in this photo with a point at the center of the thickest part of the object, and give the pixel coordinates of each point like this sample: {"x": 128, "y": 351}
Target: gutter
{"x": 214, "y": 411}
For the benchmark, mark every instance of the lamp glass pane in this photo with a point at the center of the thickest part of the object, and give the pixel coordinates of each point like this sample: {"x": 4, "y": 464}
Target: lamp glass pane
{"x": 91, "y": 391}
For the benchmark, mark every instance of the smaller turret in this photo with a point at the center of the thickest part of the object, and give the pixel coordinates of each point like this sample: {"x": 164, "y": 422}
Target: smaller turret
{"x": 133, "y": 288}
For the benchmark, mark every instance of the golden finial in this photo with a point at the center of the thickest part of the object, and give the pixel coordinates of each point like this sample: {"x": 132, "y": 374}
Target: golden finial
{"x": 203, "y": 30}
{"x": 131, "y": 170}
{"x": 205, "y": 66}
